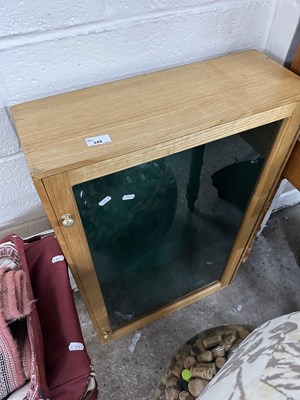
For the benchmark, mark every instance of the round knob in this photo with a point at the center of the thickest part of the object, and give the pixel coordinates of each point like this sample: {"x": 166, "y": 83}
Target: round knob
{"x": 67, "y": 220}
{"x": 106, "y": 335}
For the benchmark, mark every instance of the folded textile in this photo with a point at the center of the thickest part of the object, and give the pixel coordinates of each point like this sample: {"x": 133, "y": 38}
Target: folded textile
{"x": 20, "y": 393}
{"x": 14, "y": 301}
{"x": 19, "y": 332}
{"x": 9, "y": 256}
{"x": 14, "y": 354}
{"x": 11, "y": 373}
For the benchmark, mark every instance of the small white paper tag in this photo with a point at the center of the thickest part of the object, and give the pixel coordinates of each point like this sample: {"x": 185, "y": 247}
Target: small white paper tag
{"x": 57, "y": 259}
{"x": 134, "y": 341}
{"x": 97, "y": 140}
{"x": 75, "y": 346}
{"x": 104, "y": 201}
{"x": 128, "y": 197}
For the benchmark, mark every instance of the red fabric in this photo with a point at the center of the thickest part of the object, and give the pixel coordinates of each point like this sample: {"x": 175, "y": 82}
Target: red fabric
{"x": 67, "y": 371}
{"x": 15, "y": 349}
{"x": 34, "y": 361}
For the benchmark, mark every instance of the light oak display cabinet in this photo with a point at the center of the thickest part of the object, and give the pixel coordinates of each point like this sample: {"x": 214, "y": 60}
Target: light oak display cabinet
{"x": 156, "y": 185}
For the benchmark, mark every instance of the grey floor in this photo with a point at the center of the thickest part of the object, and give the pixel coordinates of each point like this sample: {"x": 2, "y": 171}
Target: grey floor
{"x": 266, "y": 286}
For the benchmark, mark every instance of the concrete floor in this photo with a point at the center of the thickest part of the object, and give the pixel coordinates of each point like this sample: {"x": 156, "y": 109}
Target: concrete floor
{"x": 266, "y": 286}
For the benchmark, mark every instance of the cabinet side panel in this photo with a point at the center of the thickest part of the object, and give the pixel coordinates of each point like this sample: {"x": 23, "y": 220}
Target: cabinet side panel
{"x": 292, "y": 169}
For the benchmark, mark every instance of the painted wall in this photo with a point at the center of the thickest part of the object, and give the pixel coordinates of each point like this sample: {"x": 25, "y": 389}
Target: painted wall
{"x": 48, "y": 47}
{"x": 284, "y": 24}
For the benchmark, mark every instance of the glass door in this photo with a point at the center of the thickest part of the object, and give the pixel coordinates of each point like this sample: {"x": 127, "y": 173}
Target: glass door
{"x": 164, "y": 229}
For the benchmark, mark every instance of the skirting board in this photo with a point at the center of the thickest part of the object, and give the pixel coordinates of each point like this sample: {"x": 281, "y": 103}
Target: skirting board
{"x": 287, "y": 199}
{"x": 282, "y": 200}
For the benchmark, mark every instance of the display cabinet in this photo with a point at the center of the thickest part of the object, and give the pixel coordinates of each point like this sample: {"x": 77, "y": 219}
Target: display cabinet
{"x": 156, "y": 185}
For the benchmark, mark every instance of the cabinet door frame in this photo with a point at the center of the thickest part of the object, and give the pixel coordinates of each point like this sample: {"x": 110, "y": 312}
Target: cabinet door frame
{"x": 57, "y": 195}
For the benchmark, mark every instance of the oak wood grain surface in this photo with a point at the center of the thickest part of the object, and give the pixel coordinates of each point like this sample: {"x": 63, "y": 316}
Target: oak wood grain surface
{"x": 292, "y": 169}
{"x": 149, "y": 109}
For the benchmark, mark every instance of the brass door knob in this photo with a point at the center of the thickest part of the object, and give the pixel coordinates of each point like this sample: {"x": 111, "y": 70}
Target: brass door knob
{"x": 106, "y": 335}
{"x": 67, "y": 220}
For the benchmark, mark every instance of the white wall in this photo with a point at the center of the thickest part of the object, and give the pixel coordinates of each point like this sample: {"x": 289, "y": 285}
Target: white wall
{"x": 285, "y": 20}
{"x": 53, "y": 46}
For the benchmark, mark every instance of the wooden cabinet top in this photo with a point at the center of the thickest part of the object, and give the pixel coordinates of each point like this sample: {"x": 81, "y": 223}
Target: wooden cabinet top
{"x": 151, "y": 109}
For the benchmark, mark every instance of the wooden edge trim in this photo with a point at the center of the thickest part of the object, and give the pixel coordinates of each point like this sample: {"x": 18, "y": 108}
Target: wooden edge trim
{"x": 292, "y": 169}
{"x": 295, "y": 67}
{"x": 212, "y": 288}
{"x": 59, "y": 234}
{"x": 97, "y": 168}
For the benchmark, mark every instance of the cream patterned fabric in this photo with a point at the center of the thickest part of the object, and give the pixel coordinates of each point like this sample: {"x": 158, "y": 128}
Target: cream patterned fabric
{"x": 265, "y": 366}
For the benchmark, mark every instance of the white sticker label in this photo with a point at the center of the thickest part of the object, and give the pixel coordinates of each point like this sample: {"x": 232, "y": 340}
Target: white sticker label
{"x": 57, "y": 259}
{"x": 75, "y": 346}
{"x": 128, "y": 197}
{"x": 104, "y": 201}
{"x": 97, "y": 140}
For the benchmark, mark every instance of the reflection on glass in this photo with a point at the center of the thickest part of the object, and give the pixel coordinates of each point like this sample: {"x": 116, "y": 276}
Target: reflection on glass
{"x": 164, "y": 229}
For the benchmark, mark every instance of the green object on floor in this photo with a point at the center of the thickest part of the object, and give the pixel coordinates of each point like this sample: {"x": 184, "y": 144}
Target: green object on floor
{"x": 235, "y": 182}
{"x": 186, "y": 375}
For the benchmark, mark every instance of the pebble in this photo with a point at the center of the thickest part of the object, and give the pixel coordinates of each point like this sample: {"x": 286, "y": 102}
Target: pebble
{"x": 212, "y": 341}
{"x": 189, "y": 362}
{"x": 177, "y": 369}
{"x": 196, "y": 386}
{"x": 220, "y": 361}
{"x": 218, "y": 351}
{"x": 205, "y": 371}
{"x": 207, "y": 356}
{"x": 184, "y": 395}
{"x": 172, "y": 393}
{"x": 199, "y": 344}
